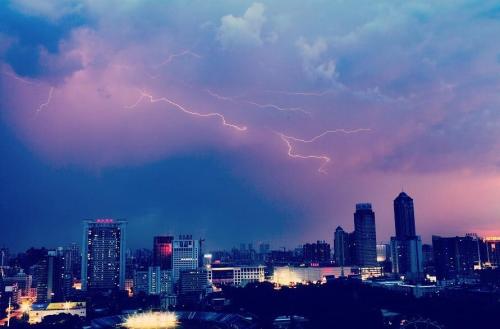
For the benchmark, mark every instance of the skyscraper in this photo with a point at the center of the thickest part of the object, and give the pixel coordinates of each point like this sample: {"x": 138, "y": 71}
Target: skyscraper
{"x": 103, "y": 254}
{"x": 186, "y": 255}
{"x": 73, "y": 259}
{"x": 406, "y": 246}
{"x": 404, "y": 216}
{"x": 365, "y": 235}
{"x": 162, "y": 252}
{"x": 49, "y": 275}
{"x": 341, "y": 250}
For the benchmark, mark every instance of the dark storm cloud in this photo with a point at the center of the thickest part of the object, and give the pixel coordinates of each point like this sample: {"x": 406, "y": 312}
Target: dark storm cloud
{"x": 272, "y": 116}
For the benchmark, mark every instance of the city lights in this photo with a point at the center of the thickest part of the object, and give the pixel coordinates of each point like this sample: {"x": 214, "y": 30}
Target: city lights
{"x": 151, "y": 320}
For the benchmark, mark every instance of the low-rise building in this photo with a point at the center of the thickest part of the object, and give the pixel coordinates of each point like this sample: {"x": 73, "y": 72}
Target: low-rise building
{"x": 235, "y": 275}
{"x": 38, "y": 311}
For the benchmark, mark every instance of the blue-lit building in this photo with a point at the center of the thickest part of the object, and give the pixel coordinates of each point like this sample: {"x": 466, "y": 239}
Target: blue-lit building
{"x": 103, "y": 255}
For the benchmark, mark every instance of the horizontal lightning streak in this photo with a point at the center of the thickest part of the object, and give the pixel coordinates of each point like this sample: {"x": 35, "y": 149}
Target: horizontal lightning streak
{"x": 333, "y": 131}
{"x": 259, "y": 105}
{"x": 300, "y": 93}
{"x": 151, "y": 99}
{"x": 173, "y": 56}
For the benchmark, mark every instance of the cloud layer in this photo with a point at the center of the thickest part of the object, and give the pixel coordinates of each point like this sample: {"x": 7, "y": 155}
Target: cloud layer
{"x": 97, "y": 86}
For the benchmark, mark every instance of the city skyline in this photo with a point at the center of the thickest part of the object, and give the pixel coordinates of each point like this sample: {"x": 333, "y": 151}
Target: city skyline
{"x": 246, "y": 121}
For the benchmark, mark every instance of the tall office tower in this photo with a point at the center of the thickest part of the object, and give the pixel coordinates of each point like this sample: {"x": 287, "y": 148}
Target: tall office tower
{"x": 103, "y": 255}
{"x": 404, "y": 216}
{"x": 318, "y": 252}
{"x": 406, "y": 246}
{"x": 162, "y": 252}
{"x": 455, "y": 257}
{"x": 48, "y": 277}
{"x": 365, "y": 235}
{"x": 73, "y": 260}
{"x": 341, "y": 249}
{"x": 186, "y": 255}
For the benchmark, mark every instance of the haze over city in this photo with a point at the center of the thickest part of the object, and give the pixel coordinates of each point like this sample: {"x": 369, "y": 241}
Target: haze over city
{"x": 242, "y": 121}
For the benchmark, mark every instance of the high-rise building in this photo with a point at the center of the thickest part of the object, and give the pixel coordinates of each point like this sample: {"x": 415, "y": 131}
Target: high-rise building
{"x": 162, "y": 252}
{"x": 365, "y": 236}
{"x": 49, "y": 278}
{"x": 186, "y": 255}
{"x": 341, "y": 249}
{"x": 73, "y": 260}
{"x": 318, "y": 252}
{"x": 404, "y": 216}
{"x": 406, "y": 246}
{"x": 103, "y": 254}
{"x": 455, "y": 257}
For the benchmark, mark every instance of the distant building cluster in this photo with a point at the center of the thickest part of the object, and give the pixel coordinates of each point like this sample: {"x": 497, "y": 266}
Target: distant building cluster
{"x": 180, "y": 272}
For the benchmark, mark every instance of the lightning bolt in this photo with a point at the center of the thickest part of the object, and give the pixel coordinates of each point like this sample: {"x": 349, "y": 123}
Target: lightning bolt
{"x": 301, "y": 93}
{"x": 145, "y": 95}
{"x": 323, "y": 158}
{"x": 171, "y": 57}
{"x": 259, "y": 105}
{"x": 333, "y": 131}
{"x": 44, "y": 105}
{"x": 278, "y": 108}
{"x": 222, "y": 98}
{"x": 16, "y": 77}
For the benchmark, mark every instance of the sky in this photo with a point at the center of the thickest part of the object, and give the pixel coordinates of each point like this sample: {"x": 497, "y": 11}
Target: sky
{"x": 243, "y": 121}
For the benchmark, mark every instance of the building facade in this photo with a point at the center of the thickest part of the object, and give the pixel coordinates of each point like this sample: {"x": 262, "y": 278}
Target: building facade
{"x": 406, "y": 246}
{"x": 103, "y": 255}
{"x": 341, "y": 250}
{"x": 162, "y": 252}
{"x": 318, "y": 252}
{"x": 365, "y": 243}
{"x": 186, "y": 255}
{"x": 455, "y": 257}
{"x": 235, "y": 275}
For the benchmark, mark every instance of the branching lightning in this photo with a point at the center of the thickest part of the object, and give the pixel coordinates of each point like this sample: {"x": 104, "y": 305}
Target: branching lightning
{"x": 145, "y": 95}
{"x": 49, "y": 98}
{"x": 300, "y": 93}
{"x": 259, "y": 105}
{"x": 324, "y": 158}
{"x": 222, "y": 98}
{"x": 333, "y": 131}
{"x": 18, "y": 78}
{"x": 278, "y": 108}
{"x": 173, "y": 56}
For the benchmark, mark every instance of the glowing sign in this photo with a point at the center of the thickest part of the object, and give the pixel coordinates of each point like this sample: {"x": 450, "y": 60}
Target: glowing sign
{"x": 104, "y": 220}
